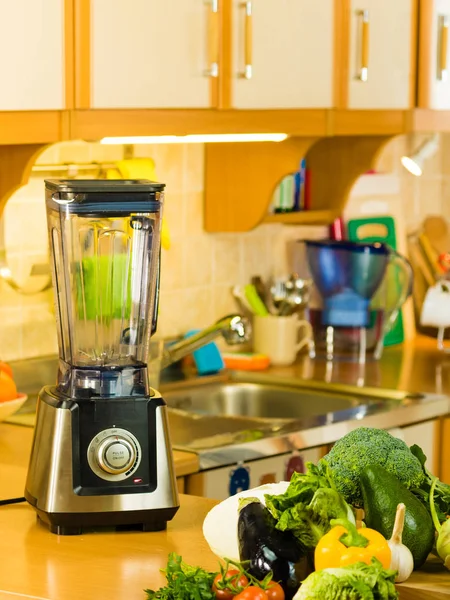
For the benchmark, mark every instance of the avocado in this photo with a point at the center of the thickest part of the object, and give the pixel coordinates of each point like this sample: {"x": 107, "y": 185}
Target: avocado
{"x": 382, "y": 492}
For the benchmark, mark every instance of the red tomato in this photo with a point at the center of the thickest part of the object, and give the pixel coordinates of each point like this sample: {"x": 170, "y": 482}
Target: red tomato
{"x": 226, "y": 587}
{"x": 252, "y": 593}
{"x": 274, "y": 591}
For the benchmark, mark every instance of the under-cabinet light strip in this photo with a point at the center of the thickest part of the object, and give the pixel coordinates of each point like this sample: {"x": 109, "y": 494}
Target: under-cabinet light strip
{"x": 196, "y": 139}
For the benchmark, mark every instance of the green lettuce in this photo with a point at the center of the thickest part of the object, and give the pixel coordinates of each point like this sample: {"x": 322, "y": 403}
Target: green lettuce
{"x": 307, "y": 507}
{"x": 355, "y": 582}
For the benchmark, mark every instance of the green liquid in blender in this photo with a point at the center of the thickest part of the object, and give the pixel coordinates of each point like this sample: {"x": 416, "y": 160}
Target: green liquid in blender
{"x": 103, "y": 287}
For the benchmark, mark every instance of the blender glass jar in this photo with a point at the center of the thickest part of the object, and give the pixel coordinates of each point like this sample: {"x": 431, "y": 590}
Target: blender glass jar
{"x": 105, "y": 243}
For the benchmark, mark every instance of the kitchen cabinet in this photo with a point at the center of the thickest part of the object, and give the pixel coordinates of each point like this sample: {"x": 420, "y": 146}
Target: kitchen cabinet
{"x": 282, "y": 54}
{"x": 171, "y": 54}
{"x": 33, "y": 55}
{"x": 147, "y": 54}
{"x": 445, "y": 450}
{"x": 434, "y": 55}
{"x": 426, "y": 435}
{"x": 381, "y": 54}
{"x": 226, "y": 481}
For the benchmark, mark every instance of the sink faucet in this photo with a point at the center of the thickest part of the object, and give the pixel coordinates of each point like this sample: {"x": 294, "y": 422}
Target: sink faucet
{"x": 234, "y": 328}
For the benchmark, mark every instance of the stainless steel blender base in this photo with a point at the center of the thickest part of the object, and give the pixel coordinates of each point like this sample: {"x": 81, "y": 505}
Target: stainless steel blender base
{"x": 51, "y": 486}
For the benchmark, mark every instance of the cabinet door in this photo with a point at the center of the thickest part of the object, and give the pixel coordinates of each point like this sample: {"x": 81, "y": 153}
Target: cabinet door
{"x": 424, "y": 434}
{"x": 434, "y": 55}
{"x": 32, "y": 55}
{"x": 381, "y": 67}
{"x": 285, "y": 48}
{"x": 445, "y": 450}
{"x": 149, "y": 53}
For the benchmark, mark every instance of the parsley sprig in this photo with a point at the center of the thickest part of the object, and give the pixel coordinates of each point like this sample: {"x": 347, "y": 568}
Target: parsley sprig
{"x": 184, "y": 582}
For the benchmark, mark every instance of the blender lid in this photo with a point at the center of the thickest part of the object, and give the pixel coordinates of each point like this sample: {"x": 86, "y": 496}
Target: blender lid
{"x": 104, "y": 196}
{"x": 92, "y": 186}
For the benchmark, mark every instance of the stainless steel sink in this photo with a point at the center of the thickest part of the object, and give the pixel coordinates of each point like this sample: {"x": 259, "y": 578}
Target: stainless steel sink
{"x": 258, "y": 401}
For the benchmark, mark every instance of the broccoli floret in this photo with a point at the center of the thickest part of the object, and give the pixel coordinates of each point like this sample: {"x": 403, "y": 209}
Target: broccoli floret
{"x": 405, "y": 470}
{"x": 368, "y": 446}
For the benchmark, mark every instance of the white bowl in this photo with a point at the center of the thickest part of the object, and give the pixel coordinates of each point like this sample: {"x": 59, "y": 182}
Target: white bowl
{"x": 220, "y": 524}
{"x": 9, "y": 407}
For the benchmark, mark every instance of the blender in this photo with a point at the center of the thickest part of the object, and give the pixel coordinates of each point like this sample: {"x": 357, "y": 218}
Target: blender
{"x": 101, "y": 453}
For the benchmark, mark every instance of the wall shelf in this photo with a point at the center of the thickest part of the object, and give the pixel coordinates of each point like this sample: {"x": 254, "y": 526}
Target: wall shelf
{"x": 240, "y": 179}
{"x": 306, "y": 217}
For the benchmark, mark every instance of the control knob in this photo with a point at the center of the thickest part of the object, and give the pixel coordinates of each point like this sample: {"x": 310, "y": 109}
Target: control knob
{"x": 115, "y": 455}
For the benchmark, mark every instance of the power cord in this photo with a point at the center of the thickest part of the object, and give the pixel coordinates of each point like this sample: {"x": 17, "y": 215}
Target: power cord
{"x": 12, "y": 501}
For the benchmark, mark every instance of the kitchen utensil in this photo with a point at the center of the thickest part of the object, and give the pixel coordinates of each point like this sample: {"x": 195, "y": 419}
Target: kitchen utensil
{"x": 278, "y": 337}
{"x": 297, "y": 297}
{"x": 418, "y": 258}
{"x": 262, "y": 292}
{"x": 278, "y": 293}
{"x": 241, "y": 299}
{"x": 382, "y": 229}
{"x": 430, "y": 256}
{"x": 101, "y": 453}
{"x": 9, "y": 407}
{"x": 437, "y": 231}
{"x": 257, "y": 305}
{"x": 348, "y": 276}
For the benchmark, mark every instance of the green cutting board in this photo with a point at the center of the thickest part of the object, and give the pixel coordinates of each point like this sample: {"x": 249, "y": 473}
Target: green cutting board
{"x": 378, "y": 229}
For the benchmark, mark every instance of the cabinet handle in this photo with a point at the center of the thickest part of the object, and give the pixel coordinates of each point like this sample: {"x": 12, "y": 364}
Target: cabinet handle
{"x": 213, "y": 39}
{"x": 365, "y": 25}
{"x": 248, "y": 69}
{"x": 443, "y": 48}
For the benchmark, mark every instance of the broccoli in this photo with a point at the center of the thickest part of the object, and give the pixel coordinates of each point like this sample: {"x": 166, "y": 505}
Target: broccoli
{"x": 368, "y": 446}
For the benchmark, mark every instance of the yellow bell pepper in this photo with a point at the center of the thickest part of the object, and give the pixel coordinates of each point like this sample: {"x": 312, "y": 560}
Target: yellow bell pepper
{"x": 345, "y": 545}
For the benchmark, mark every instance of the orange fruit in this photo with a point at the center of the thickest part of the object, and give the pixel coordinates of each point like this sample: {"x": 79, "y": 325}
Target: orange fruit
{"x": 6, "y": 369}
{"x": 8, "y": 390}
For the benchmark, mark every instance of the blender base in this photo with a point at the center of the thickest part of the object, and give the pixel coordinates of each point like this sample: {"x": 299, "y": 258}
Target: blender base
{"x": 76, "y": 524}
{"x": 105, "y": 463}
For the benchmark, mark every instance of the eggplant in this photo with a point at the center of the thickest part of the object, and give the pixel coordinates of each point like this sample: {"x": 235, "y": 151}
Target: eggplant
{"x": 264, "y": 548}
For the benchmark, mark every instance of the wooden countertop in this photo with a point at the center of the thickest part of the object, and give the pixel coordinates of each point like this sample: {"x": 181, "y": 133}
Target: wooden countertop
{"x": 100, "y": 566}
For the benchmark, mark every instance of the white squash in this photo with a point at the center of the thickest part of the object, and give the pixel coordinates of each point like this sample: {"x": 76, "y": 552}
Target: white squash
{"x": 220, "y": 524}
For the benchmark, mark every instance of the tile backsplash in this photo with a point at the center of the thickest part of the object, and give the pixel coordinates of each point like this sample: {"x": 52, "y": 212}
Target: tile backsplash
{"x": 199, "y": 268}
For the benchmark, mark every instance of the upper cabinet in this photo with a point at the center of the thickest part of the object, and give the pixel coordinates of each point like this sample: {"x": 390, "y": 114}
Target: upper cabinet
{"x": 434, "y": 54}
{"x": 33, "y": 54}
{"x": 147, "y": 53}
{"x": 381, "y": 54}
{"x": 282, "y": 54}
{"x": 245, "y": 54}
{"x": 220, "y": 54}
{"x": 176, "y": 53}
